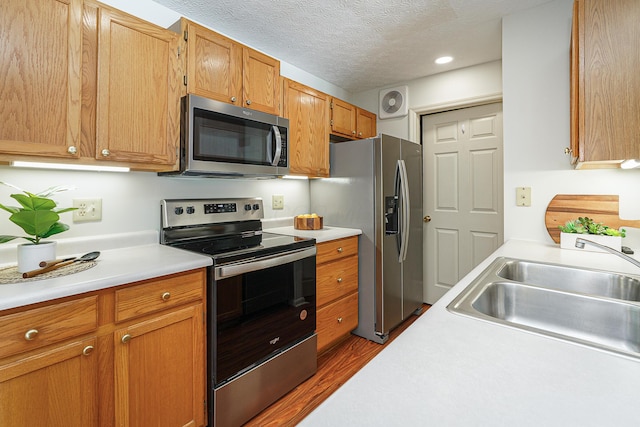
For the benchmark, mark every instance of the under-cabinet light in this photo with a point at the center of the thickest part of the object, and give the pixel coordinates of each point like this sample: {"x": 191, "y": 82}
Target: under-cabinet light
{"x": 630, "y": 164}
{"x": 65, "y": 166}
{"x": 444, "y": 60}
{"x": 294, "y": 177}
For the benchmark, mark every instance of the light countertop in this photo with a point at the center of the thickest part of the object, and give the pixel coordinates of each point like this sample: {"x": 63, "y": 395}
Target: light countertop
{"x": 450, "y": 370}
{"x": 325, "y": 234}
{"x": 141, "y": 260}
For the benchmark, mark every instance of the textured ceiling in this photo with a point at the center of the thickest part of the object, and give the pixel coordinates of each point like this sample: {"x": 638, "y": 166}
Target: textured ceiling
{"x": 362, "y": 44}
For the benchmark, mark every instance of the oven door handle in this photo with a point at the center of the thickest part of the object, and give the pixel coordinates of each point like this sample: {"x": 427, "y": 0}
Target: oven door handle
{"x": 231, "y": 270}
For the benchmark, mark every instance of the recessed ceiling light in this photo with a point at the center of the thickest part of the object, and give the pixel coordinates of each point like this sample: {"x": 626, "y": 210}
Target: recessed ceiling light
{"x": 444, "y": 60}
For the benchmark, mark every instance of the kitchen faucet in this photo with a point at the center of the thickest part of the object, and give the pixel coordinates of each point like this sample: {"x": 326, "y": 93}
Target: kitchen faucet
{"x": 580, "y": 242}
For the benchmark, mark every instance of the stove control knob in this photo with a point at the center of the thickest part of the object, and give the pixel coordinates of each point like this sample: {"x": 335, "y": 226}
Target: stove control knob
{"x": 247, "y": 207}
{"x": 256, "y": 207}
{"x": 178, "y": 210}
{"x": 190, "y": 210}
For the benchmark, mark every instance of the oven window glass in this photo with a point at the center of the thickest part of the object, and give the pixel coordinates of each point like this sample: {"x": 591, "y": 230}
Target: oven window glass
{"x": 262, "y": 312}
{"x": 218, "y": 137}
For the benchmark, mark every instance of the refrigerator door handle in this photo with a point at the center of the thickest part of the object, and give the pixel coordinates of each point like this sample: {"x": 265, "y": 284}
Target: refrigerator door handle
{"x": 404, "y": 210}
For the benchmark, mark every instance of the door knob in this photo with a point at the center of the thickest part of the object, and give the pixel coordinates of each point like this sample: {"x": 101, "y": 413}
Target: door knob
{"x": 426, "y": 218}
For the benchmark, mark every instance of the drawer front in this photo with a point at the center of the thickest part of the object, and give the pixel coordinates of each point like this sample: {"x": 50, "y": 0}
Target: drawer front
{"x": 336, "y": 249}
{"x": 336, "y": 320}
{"x": 159, "y": 294}
{"x": 336, "y": 279}
{"x": 32, "y": 329}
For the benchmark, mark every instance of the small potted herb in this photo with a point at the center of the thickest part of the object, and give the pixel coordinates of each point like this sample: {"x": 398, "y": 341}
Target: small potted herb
{"x": 594, "y": 231}
{"x": 38, "y": 216}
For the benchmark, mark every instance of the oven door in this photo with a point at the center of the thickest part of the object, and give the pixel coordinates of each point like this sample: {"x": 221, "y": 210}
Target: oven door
{"x": 260, "y": 307}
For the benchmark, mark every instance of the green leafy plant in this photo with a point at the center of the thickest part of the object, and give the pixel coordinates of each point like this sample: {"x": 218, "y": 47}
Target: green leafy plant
{"x": 37, "y": 214}
{"x": 584, "y": 225}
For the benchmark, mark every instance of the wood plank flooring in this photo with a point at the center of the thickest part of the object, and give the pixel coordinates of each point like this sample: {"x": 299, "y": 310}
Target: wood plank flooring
{"x": 335, "y": 367}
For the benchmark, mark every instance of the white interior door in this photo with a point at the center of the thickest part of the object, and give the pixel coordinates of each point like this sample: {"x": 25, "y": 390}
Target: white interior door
{"x": 463, "y": 193}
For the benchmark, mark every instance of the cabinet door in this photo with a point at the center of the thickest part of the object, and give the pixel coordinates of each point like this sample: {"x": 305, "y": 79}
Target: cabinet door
{"x": 366, "y": 124}
{"x": 214, "y": 65}
{"x": 57, "y": 387}
{"x": 40, "y": 80}
{"x": 160, "y": 371}
{"x": 343, "y": 118}
{"x": 308, "y": 114}
{"x": 260, "y": 82}
{"x": 138, "y": 94}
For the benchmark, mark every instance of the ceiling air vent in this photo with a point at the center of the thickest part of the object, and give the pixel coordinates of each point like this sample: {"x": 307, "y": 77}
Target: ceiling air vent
{"x": 393, "y": 102}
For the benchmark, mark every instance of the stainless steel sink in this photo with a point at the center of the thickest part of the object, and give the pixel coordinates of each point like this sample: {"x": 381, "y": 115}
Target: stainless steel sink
{"x": 571, "y": 279}
{"x": 557, "y": 302}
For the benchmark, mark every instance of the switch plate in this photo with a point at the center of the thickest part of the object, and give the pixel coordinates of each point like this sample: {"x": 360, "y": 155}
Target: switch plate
{"x": 523, "y": 196}
{"x": 277, "y": 201}
{"x": 87, "y": 210}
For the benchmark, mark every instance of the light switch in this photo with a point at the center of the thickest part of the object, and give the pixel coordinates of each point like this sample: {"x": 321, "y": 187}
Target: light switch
{"x": 523, "y": 196}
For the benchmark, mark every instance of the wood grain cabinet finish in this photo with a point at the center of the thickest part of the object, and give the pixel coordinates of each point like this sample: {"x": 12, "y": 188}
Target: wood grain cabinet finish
{"x": 308, "y": 112}
{"x": 351, "y": 122}
{"x": 365, "y": 124}
{"x": 40, "y": 84}
{"x": 336, "y": 290}
{"x": 222, "y": 69}
{"x": 605, "y": 83}
{"x": 94, "y": 360}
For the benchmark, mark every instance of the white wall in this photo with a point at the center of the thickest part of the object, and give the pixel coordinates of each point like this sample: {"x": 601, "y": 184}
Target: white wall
{"x": 432, "y": 92}
{"x": 535, "y": 63}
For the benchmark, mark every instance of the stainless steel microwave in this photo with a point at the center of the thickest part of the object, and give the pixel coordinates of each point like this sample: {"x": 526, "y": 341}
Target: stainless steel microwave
{"x": 219, "y": 139}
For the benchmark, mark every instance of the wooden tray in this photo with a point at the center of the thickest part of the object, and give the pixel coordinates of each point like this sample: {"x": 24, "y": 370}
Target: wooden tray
{"x": 600, "y": 208}
{"x": 300, "y": 223}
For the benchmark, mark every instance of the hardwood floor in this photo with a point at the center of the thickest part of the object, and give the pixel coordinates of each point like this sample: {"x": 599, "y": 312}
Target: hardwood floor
{"x": 335, "y": 367}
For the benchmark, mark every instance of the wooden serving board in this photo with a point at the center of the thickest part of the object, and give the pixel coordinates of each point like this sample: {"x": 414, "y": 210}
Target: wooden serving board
{"x": 600, "y": 208}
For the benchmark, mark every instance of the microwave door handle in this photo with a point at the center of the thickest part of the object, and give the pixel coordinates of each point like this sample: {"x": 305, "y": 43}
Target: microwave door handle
{"x": 278, "y": 153}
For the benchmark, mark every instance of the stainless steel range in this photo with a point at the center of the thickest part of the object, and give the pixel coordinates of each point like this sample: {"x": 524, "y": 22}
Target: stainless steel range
{"x": 261, "y": 309}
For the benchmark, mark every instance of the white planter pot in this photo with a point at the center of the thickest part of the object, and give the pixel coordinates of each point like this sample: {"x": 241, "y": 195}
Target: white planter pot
{"x": 568, "y": 241}
{"x": 30, "y": 256}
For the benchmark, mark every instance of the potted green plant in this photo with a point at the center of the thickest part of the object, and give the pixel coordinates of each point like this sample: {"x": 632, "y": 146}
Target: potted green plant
{"x": 595, "y": 231}
{"x": 39, "y": 217}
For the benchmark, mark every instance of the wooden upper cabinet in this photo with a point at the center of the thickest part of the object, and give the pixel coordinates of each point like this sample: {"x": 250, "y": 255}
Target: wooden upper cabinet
{"x": 225, "y": 70}
{"x": 138, "y": 98}
{"x": 308, "y": 112}
{"x": 605, "y": 83}
{"x": 365, "y": 124}
{"x": 40, "y": 84}
{"x": 343, "y": 118}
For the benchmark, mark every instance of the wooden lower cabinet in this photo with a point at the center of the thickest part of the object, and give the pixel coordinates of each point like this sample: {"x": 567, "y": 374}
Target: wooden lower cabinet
{"x": 94, "y": 360}
{"x": 337, "y": 290}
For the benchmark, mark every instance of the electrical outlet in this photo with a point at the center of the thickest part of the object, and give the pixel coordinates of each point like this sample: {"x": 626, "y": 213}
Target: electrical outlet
{"x": 87, "y": 210}
{"x": 523, "y": 196}
{"x": 277, "y": 201}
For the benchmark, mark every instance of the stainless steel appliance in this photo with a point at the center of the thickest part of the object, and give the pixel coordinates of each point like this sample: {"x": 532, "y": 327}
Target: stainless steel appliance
{"x": 376, "y": 185}
{"x": 261, "y": 308}
{"x": 219, "y": 139}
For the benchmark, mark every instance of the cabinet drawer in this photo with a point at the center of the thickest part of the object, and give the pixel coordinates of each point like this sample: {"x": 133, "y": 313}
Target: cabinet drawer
{"x": 336, "y": 279}
{"x": 336, "y": 320}
{"x": 42, "y": 326}
{"x": 159, "y": 294}
{"x": 336, "y": 249}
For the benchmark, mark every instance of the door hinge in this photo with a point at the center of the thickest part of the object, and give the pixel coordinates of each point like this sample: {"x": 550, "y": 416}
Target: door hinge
{"x": 178, "y": 51}
{"x": 185, "y": 35}
{"x": 331, "y": 105}
{"x": 331, "y": 121}
{"x": 184, "y": 80}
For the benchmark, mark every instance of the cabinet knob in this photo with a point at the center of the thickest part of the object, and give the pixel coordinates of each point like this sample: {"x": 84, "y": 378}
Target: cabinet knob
{"x": 125, "y": 338}
{"x": 339, "y": 319}
{"x": 353, "y": 132}
{"x": 105, "y": 153}
{"x": 359, "y": 133}
{"x": 72, "y": 150}
{"x": 31, "y": 334}
{"x": 339, "y": 250}
{"x": 248, "y": 102}
{"x": 166, "y": 296}
{"x": 87, "y": 350}
{"x": 339, "y": 280}
{"x": 233, "y": 99}
{"x": 568, "y": 150}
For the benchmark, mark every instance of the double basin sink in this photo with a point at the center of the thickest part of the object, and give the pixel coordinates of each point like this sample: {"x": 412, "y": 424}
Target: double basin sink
{"x": 595, "y": 308}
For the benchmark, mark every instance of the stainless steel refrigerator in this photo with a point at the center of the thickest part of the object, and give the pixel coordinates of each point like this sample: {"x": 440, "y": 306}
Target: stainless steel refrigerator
{"x": 376, "y": 186}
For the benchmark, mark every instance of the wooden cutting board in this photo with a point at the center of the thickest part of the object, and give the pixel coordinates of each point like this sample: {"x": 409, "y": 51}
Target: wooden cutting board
{"x": 600, "y": 208}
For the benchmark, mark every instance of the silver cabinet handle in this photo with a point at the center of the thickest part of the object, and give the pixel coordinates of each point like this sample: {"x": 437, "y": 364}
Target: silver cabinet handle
{"x": 166, "y": 296}
{"x": 339, "y": 250}
{"x": 339, "y": 319}
{"x": 125, "y": 338}
{"x": 339, "y": 280}
{"x": 105, "y": 153}
{"x": 72, "y": 150}
{"x": 87, "y": 350}
{"x": 31, "y": 334}
{"x": 248, "y": 102}
{"x": 233, "y": 99}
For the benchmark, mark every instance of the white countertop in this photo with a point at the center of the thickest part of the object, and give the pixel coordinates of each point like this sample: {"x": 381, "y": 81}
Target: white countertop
{"x": 451, "y": 370}
{"x": 323, "y": 235}
{"x": 115, "y": 266}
